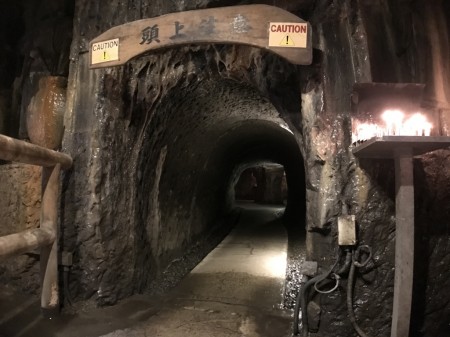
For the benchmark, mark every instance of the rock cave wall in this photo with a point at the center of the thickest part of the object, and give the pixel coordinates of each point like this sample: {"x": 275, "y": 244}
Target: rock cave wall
{"x": 143, "y": 135}
{"x": 20, "y": 201}
{"x": 386, "y": 41}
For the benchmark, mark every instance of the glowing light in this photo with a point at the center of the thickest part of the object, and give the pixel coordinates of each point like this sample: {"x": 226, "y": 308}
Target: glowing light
{"x": 275, "y": 265}
{"x": 416, "y": 125}
{"x": 395, "y": 125}
{"x": 286, "y": 128}
{"x": 393, "y": 120}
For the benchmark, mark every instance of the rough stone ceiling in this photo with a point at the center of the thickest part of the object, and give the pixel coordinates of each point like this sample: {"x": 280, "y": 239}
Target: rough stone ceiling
{"x": 219, "y": 127}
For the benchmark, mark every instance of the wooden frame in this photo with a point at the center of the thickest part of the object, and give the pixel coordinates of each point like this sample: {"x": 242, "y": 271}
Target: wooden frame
{"x": 46, "y": 236}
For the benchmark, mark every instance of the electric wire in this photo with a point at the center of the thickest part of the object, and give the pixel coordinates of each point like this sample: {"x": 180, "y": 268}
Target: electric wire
{"x": 336, "y": 277}
{"x": 351, "y": 263}
{"x": 66, "y": 286}
{"x": 350, "y": 281}
{"x": 301, "y": 301}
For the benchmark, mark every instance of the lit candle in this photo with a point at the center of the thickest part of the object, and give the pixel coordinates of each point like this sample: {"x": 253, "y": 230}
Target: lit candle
{"x": 393, "y": 120}
{"x": 427, "y": 129}
{"x": 417, "y": 125}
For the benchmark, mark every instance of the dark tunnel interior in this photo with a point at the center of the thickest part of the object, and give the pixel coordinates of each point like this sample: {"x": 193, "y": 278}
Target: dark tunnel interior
{"x": 255, "y": 142}
{"x": 202, "y": 138}
{"x": 262, "y": 182}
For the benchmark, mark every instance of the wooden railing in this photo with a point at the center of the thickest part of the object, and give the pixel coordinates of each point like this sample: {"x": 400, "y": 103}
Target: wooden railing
{"x": 45, "y": 237}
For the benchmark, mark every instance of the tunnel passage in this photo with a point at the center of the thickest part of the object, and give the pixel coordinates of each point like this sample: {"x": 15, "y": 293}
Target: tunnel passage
{"x": 258, "y": 142}
{"x": 264, "y": 184}
{"x": 197, "y": 144}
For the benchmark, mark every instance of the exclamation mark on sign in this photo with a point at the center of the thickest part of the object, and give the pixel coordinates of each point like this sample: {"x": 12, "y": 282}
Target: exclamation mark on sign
{"x": 287, "y": 42}
{"x": 105, "y": 56}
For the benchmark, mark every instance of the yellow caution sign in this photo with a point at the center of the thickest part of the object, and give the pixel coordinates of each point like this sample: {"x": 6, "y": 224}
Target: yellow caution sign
{"x": 105, "y": 51}
{"x": 287, "y": 41}
{"x": 288, "y": 34}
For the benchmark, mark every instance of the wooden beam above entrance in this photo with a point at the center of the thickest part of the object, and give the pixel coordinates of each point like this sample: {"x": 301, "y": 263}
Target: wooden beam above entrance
{"x": 267, "y": 27}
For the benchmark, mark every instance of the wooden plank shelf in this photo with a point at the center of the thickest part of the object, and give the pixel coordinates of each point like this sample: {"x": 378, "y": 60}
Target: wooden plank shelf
{"x": 384, "y": 147}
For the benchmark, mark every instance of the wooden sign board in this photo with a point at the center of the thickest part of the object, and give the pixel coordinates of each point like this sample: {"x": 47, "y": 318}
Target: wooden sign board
{"x": 262, "y": 26}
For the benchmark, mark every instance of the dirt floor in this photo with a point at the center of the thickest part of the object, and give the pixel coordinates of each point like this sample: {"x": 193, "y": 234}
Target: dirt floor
{"x": 237, "y": 290}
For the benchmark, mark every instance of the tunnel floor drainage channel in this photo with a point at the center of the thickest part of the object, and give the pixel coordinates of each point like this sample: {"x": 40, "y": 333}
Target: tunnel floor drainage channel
{"x": 235, "y": 291}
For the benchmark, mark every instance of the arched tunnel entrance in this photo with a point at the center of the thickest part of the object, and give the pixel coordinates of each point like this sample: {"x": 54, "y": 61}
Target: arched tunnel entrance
{"x": 202, "y": 138}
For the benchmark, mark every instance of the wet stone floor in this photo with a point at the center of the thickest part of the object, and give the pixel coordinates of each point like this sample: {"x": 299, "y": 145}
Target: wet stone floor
{"x": 237, "y": 290}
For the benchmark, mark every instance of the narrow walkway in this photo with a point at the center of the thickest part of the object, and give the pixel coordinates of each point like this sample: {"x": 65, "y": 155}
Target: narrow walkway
{"x": 236, "y": 290}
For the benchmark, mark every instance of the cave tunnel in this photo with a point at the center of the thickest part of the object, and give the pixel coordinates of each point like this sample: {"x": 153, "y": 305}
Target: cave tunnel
{"x": 210, "y": 132}
{"x": 263, "y": 182}
{"x": 208, "y": 183}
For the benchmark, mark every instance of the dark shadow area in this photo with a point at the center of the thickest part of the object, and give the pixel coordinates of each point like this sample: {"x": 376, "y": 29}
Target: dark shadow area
{"x": 21, "y": 316}
{"x": 35, "y": 38}
{"x": 431, "y": 242}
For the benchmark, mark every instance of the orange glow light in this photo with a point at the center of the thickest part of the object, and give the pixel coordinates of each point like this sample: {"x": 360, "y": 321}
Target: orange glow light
{"x": 395, "y": 124}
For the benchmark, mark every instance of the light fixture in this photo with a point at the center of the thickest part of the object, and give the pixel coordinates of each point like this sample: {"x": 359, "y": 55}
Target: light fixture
{"x": 390, "y": 109}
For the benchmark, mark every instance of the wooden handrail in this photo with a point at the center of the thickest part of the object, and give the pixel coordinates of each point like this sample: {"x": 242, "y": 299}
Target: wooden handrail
{"x": 23, "y": 242}
{"x": 46, "y": 236}
{"x": 20, "y": 151}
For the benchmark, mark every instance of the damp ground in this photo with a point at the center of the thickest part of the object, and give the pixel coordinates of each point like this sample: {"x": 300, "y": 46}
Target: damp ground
{"x": 237, "y": 290}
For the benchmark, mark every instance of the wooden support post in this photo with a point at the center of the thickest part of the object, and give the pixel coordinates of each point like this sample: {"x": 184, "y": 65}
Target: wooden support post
{"x": 404, "y": 242}
{"x": 49, "y": 253}
{"x": 402, "y": 149}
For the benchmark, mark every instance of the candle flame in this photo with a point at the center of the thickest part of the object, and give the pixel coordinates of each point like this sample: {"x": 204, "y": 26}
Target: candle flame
{"x": 393, "y": 120}
{"x": 416, "y": 125}
{"x": 395, "y": 124}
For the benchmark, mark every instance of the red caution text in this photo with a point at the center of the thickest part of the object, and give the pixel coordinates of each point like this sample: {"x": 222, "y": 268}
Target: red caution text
{"x": 288, "y": 28}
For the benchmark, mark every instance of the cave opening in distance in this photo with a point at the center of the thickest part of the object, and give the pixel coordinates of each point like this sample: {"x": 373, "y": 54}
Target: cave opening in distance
{"x": 263, "y": 183}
